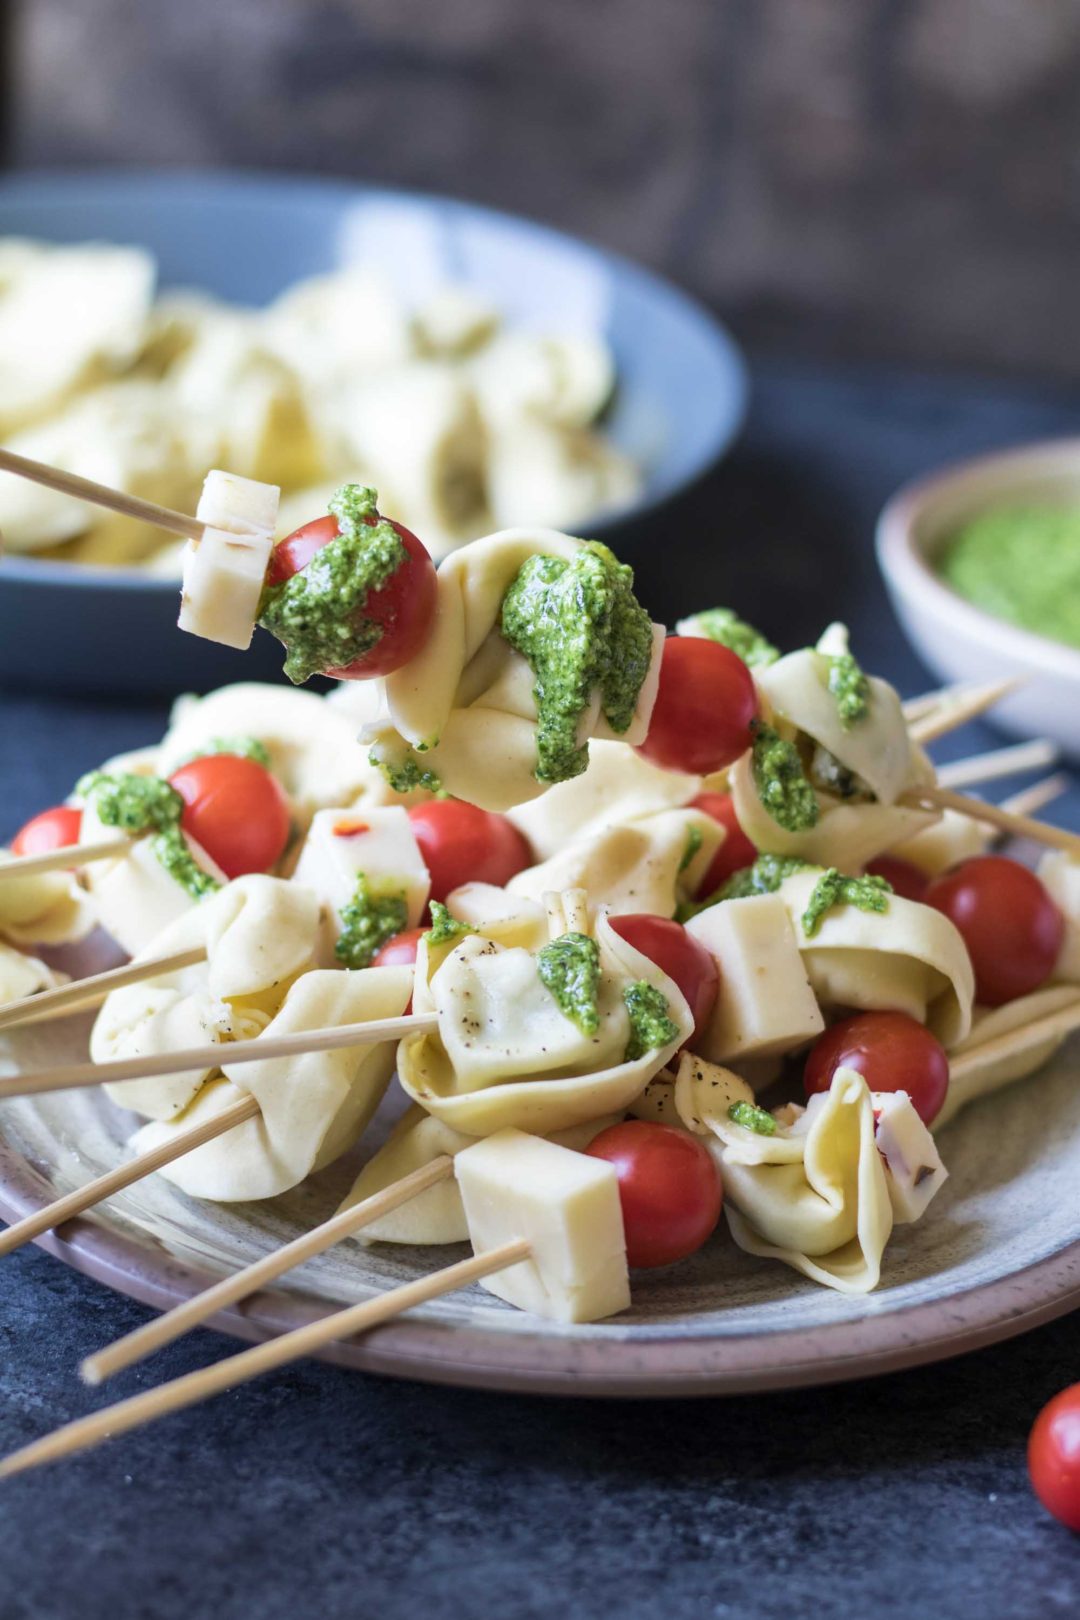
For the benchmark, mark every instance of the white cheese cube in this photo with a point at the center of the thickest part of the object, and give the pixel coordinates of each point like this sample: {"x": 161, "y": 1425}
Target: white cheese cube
{"x": 765, "y": 1004}
{"x": 343, "y": 845}
{"x": 222, "y": 582}
{"x": 134, "y": 896}
{"x": 238, "y": 505}
{"x": 567, "y": 1206}
{"x": 1061, "y": 875}
{"x": 913, "y": 1168}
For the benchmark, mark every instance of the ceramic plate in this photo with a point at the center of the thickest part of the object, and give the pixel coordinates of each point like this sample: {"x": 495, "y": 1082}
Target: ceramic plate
{"x": 998, "y": 1252}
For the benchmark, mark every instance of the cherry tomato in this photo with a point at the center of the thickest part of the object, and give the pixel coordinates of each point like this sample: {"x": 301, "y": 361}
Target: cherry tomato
{"x": 669, "y": 1189}
{"x": 461, "y": 844}
{"x": 704, "y": 706}
{"x": 52, "y": 829}
{"x": 1054, "y": 1457}
{"x": 892, "y": 1053}
{"x": 404, "y": 606}
{"x": 678, "y": 954}
{"x": 734, "y": 853}
{"x": 1010, "y": 925}
{"x": 907, "y": 880}
{"x": 236, "y": 810}
{"x": 399, "y": 951}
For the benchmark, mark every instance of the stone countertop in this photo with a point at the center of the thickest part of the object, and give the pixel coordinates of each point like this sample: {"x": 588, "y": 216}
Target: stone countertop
{"x": 324, "y": 1493}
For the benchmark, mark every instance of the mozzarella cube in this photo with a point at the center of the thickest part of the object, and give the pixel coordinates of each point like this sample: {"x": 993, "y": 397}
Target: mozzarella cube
{"x": 238, "y": 505}
{"x": 567, "y": 1207}
{"x": 344, "y": 845}
{"x": 765, "y": 1003}
{"x": 134, "y": 896}
{"x": 222, "y": 581}
{"x": 914, "y": 1171}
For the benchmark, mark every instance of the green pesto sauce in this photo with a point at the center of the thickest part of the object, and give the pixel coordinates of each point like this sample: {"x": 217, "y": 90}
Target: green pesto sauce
{"x": 581, "y": 629}
{"x": 752, "y": 1118}
{"x": 834, "y": 889}
{"x": 782, "y": 786}
{"x": 1022, "y": 564}
{"x": 723, "y": 625}
{"x": 764, "y": 877}
{"x": 242, "y": 747}
{"x": 372, "y": 916}
{"x": 319, "y": 613}
{"x": 402, "y": 771}
{"x": 444, "y": 928}
{"x": 146, "y": 804}
{"x": 694, "y": 839}
{"x": 570, "y": 968}
{"x": 650, "y": 1026}
{"x": 850, "y": 687}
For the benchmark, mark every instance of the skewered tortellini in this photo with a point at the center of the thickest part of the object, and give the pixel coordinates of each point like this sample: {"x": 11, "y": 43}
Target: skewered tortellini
{"x": 23, "y": 975}
{"x": 465, "y": 709}
{"x": 506, "y": 1053}
{"x": 47, "y": 908}
{"x": 619, "y": 786}
{"x": 312, "y": 1107}
{"x": 979, "y": 1066}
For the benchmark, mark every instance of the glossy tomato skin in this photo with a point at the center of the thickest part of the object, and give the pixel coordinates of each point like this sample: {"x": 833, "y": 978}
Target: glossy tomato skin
{"x": 463, "y": 844}
{"x": 669, "y": 1188}
{"x": 906, "y": 878}
{"x": 678, "y": 954}
{"x": 1010, "y": 925}
{"x": 236, "y": 810}
{"x": 404, "y": 606}
{"x": 400, "y": 951}
{"x": 1054, "y": 1457}
{"x": 892, "y": 1053}
{"x": 51, "y": 829}
{"x": 704, "y": 707}
{"x": 735, "y": 853}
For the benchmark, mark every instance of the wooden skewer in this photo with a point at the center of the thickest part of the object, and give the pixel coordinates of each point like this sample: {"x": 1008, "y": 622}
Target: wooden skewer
{"x": 125, "y": 1175}
{"x": 1026, "y": 756}
{"x": 116, "y": 500}
{"x": 1061, "y": 1023}
{"x": 1032, "y": 799}
{"x": 939, "y": 798}
{"x": 71, "y": 998}
{"x": 134, "y": 1347}
{"x": 215, "y": 1055}
{"x": 956, "y": 707}
{"x": 238, "y": 1369}
{"x": 55, "y": 860}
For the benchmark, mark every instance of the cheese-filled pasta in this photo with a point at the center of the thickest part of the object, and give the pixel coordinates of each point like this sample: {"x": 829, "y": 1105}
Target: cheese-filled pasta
{"x": 619, "y": 786}
{"x": 974, "y": 1076}
{"x": 23, "y": 975}
{"x": 45, "y": 908}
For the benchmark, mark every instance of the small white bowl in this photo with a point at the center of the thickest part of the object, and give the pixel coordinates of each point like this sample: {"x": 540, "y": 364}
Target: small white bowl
{"x": 957, "y": 639}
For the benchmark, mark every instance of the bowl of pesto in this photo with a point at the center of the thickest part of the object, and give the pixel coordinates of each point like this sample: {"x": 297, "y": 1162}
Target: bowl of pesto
{"x": 982, "y": 562}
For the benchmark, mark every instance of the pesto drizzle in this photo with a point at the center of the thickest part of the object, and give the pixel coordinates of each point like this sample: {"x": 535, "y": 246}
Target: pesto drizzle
{"x": 318, "y": 613}
{"x": 752, "y": 1118}
{"x": 146, "y": 804}
{"x": 723, "y": 625}
{"x": 243, "y": 748}
{"x": 849, "y": 686}
{"x": 780, "y": 781}
{"x": 834, "y": 889}
{"x": 580, "y": 628}
{"x": 401, "y": 770}
{"x": 369, "y": 919}
{"x": 694, "y": 840}
{"x": 764, "y": 877}
{"x": 650, "y": 1026}
{"x": 445, "y": 928}
{"x": 570, "y": 968}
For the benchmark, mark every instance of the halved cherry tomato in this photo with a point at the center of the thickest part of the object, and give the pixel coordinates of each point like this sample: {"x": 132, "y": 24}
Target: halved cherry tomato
{"x": 1054, "y": 1457}
{"x": 404, "y": 606}
{"x": 462, "y": 844}
{"x": 669, "y": 1189}
{"x": 678, "y": 954}
{"x": 906, "y": 878}
{"x": 704, "y": 706}
{"x": 236, "y": 810}
{"x": 399, "y": 951}
{"x": 52, "y": 829}
{"x": 1010, "y": 925}
{"x": 734, "y": 853}
{"x": 892, "y": 1053}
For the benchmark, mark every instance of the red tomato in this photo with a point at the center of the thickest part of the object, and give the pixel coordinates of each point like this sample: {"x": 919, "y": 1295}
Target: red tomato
{"x": 399, "y": 951}
{"x": 52, "y": 829}
{"x": 1011, "y": 927}
{"x": 462, "y": 844}
{"x": 704, "y": 706}
{"x": 906, "y": 878}
{"x": 892, "y": 1053}
{"x": 669, "y": 1189}
{"x": 404, "y": 606}
{"x": 236, "y": 810}
{"x": 679, "y": 955}
{"x": 734, "y": 853}
{"x": 1054, "y": 1457}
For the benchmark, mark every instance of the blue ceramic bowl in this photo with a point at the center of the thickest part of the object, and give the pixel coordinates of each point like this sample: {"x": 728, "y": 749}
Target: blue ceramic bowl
{"x": 680, "y": 400}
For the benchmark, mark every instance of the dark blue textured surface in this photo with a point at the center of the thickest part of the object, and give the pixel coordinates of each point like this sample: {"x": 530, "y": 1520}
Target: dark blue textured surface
{"x": 320, "y": 1493}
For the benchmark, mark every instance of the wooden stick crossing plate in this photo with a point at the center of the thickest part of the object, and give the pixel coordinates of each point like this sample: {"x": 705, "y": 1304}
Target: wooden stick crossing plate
{"x": 998, "y": 1252}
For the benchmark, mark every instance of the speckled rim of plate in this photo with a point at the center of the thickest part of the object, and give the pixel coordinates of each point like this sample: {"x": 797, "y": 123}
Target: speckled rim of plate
{"x": 692, "y": 1365}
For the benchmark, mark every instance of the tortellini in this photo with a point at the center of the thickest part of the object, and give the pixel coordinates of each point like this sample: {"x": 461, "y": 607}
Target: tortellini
{"x": 973, "y": 1075}
{"x": 44, "y": 908}
{"x": 619, "y": 786}
{"x": 464, "y": 707}
{"x": 505, "y": 1055}
{"x": 23, "y": 975}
